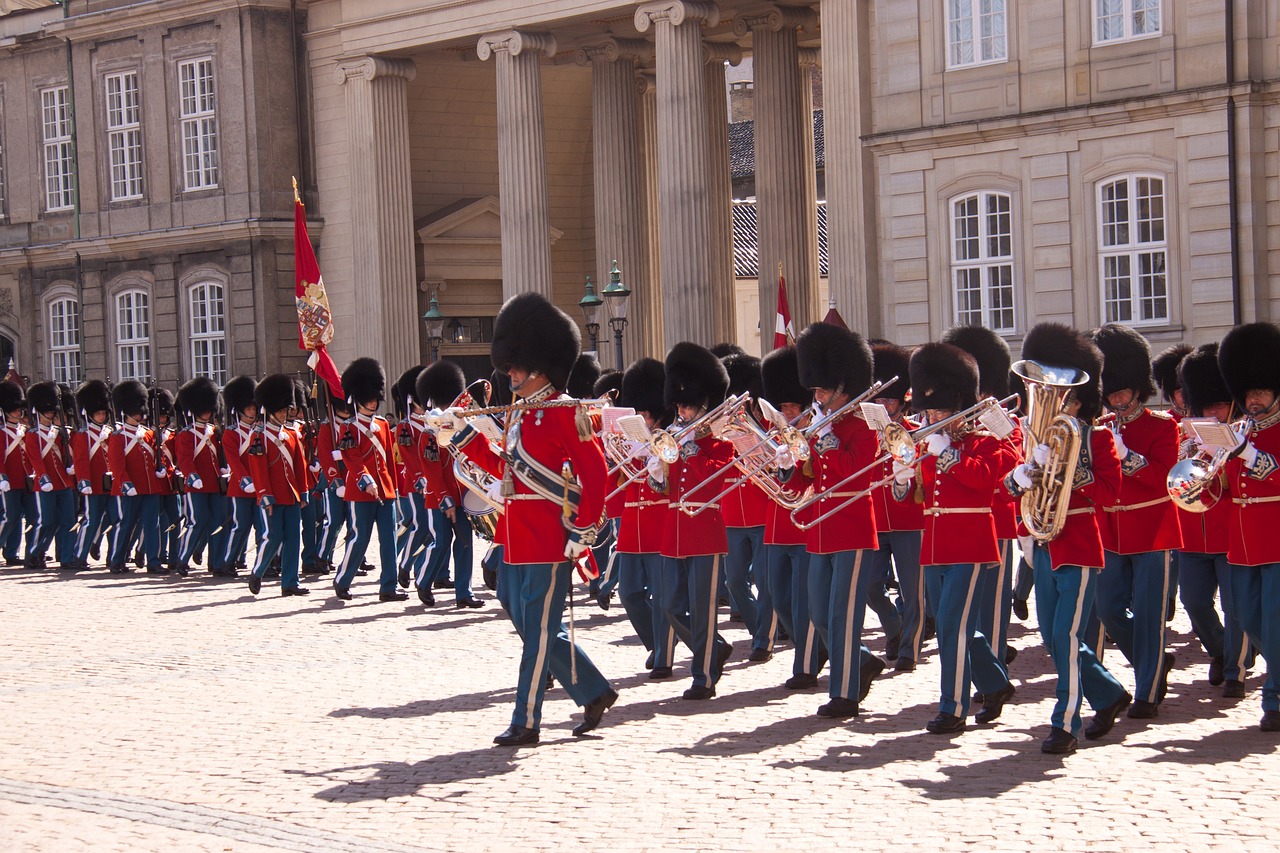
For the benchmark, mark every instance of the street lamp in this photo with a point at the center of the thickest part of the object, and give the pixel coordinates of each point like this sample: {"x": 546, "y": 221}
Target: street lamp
{"x": 591, "y": 305}
{"x": 617, "y": 295}
{"x": 434, "y": 322}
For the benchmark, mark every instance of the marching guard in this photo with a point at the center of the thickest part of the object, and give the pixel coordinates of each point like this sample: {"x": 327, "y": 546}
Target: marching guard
{"x": 279, "y": 473}
{"x": 13, "y": 480}
{"x": 239, "y": 440}
{"x": 93, "y": 478}
{"x": 137, "y": 472}
{"x": 197, "y": 449}
{"x": 51, "y": 466}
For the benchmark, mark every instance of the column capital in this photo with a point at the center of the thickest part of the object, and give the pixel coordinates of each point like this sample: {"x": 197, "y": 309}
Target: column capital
{"x": 676, "y": 12}
{"x": 515, "y": 42}
{"x": 646, "y": 82}
{"x": 373, "y": 67}
{"x": 809, "y": 57}
{"x": 718, "y": 51}
{"x": 775, "y": 19}
{"x": 614, "y": 49}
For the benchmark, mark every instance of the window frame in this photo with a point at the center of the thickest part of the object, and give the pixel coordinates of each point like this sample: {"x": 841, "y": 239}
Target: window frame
{"x": 984, "y": 263}
{"x": 976, "y": 38}
{"x": 123, "y": 122}
{"x": 1127, "y": 16}
{"x": 133, "y": 342}
{"x": 1133, "y": 250}
{"x": 60, "y": 352}
{"x": 59, "y": 148}
{"x": 197, "y": 338}
{"x": 198, "y": 127}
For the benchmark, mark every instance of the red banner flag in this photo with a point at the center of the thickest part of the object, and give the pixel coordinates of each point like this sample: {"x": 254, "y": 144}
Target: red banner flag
{"x": 315, "y": 323}
{"x": 783, "y": 332}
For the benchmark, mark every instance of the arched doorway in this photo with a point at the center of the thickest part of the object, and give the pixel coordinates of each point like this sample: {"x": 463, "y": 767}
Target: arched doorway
{"x": 7, "y": 352}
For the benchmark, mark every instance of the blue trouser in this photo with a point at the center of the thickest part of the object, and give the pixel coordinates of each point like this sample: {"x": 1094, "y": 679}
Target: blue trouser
{"x": 243, "y": 512}
{"x": 964, "y": 654}
{"x": 283, "y": 526}
{"x": 603, "y": 553}
{"x": 1132, "y": 593}
{"x": 1255, "y": 591}
{"x": 689, "y": 587}
{"x": 533, "y": 596}
{"x": 640, "y": 591}
{"x": 740, "y": 564}
{"x": 1199, "y": 577}
{"x": 170, "y": 528}
{"x": 1064, "y": 598}
{"x": 995, "y": 600}
{"x": 335, "y": 515}
{"x": 139, "y": 514}
{"x": 878, "y": 601}
{"x": 788, "y": 580}
{"x": 902, "y": 548}
{"x": 364, "y": 516}
{"x": 309, "y": 515}
{"x": 436, "y": 563}
{"x": 55, "y": 514}
{"x": 205, "y": 512}
{"x": 11, "y": 529}
{"x": 95, "y": 514}
{"x": 413, "y": 553}
{"x": 838, "y": 606}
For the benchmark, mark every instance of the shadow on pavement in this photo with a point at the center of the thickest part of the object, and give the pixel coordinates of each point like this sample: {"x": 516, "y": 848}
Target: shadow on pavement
{"x": 1225, "y": 746}
{"x": 882, "y": 752}
{"x": 420, "y": 778}
{"x": 1021, "y": 764}
{"x": 427, "y": 707}
{"x": 442, "y": 624}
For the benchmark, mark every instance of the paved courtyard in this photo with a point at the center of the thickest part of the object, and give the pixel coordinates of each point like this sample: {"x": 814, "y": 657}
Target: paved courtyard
{"x": 146, "y": 713}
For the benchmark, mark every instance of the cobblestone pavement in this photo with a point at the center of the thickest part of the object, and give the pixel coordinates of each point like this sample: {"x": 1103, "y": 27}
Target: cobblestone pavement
{"x": 146, "y": 713}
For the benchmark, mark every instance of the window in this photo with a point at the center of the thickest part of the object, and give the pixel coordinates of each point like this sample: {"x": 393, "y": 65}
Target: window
{"x": 64, "y": 340}
{"x": 59, "y": 153}
{"x": 1122, "y": 20}
{"x": 199, "y": 124}
{"x": 208, "y": 331}
{"x": 1134, "y": 247}
{"x": 133, "y": 335}
{"x": 124, "y": 135}
{"x": 982, "y": 260}
{"x": 976, "y": 32}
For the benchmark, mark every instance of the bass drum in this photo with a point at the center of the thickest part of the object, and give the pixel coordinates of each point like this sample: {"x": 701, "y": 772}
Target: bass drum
{"x": 483, "y": 518}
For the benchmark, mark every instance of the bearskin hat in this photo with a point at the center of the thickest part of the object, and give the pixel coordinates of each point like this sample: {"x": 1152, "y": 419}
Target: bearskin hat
{"x": 780, "y": 378}
{"x": 130, "y": 398}
{"x": 364, "y": 381}
{"x": 724, "y": 349}
{"x": 943, "y": 376}
{"x": 336, "y": 402}
{"x": 642, "y": 388}
{"x": 198, "y": 397}
{"x": 610, "y": 381}
{"x": 438, "y": 385}
{"x": 1201, "y": 379}
{"x": 273, "y": 393}
{"x": 586, "y": 370}
{"x": 991, "y": 353}
{"x": 533, "y": 334}
{"x": 831, "y": 357}
{"x": 744, "y": 374}
{"x": 43, "y": 397}
{"x": 95, "y": 396}
{"x": 890, "y": 360}
{"x": 66, "y": 396}
{"x": 238, "y": 394}
{"x": 1056, "y": 345}
{"x": 405, "y": 391}
{"x": 500, "y": 393}
{"x": 1126, "y": 361}
{"x": 1164, "y": 368}
{"x": 11, "y": 396}
{"x": 695, "y": 377}
{"x": 162, "y": 399}
{"x": 1247, "y": 357}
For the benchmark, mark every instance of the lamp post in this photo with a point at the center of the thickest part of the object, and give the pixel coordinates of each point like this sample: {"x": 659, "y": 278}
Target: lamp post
{"x": 591, "y": 305}
{"x": 434, "y": 321}
{"x": 617, "y": 296}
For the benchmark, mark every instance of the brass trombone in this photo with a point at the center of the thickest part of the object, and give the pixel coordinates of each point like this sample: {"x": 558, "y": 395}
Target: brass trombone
{"x": 831, "y": 417}
{"x": 1195, "y": 483}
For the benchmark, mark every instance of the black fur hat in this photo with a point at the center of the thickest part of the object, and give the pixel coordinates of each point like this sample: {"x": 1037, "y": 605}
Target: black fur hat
{"x": 438, "y": 385}
{"x": 129, "y": 398}
{"x": 67, "y": 397}
{"x": 273, "y": 393}
{"x": 197, "y": 397}
{"x": 744, "y": 374}
{"x": 780, "y": 378}
{"x": 1126, "y": 361}
{"x": 835, "y": 358}
{"x": 943, "y": 376}
{"x": 724, "y": 349}
{"x": 1164, "y": 368}
{"x": 238, "y": 394}
{"x": 336, "y": 402}
{"x": 163, "y": 399}
{"x": 95, "y": 396}
{"x": 11, "y": 396}
{"x": 533, "y": 334}
{"x": 1248, "y": 357}
{"x": 1056, "y": 345}
{"x": 405, "y": 391}
{"x": 500, "y": 393}
{"x": 990, "y": 351}
{"x": 1201, "y": 379}
{"x": 364, "y": 381}
{"x": 43, "y": 397}
{"x": 610, "y": 380}
{"x": 695, "y": 377}
{"x": 890, "y": 360}
{"x": 586, "y": 370}
{"x": 642, "y": 388}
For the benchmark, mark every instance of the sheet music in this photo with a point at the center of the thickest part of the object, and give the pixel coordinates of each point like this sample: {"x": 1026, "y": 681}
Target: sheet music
{"x": 611, "y": 414}
{"x": 633, "y": 428}
{"x": 1213, "y": 436}
{"x": 489, "y": 428}
{"x": 771, "y": 414}
{"x": 997, "y": 421}
{"x": 876, "y": 416}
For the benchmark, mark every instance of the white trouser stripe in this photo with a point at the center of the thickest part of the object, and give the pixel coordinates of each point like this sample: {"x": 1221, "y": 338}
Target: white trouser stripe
{"x": 850, "y": 650}
{"x": 540, "y": 661}
{"x": 1073, "y": 656}
{"x": 962, "y": 644}
{"x": 710, "y": 648}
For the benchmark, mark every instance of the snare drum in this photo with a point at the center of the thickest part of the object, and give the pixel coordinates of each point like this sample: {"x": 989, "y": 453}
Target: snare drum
{"x": 482, "y": 516}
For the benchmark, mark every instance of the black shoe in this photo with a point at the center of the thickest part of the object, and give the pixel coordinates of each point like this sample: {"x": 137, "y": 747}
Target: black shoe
{"x": 1170, "y": 607}
{"x": 760, "y": 655}
{"x": 892, "y": 646}
{"x": 1216, "y": 667}
{"x": 442, "y": 584}
{"x": 551, "y": 680}
{"x": 271, "y": 574}
{"x": 197, "y": 558}
{"x": 393, "y": 596}
{"x": 287, "y": 591}
{"x": 1162, "y": 687}
{"x": 593, "y": 713}
{"x": 1270, "y": 721}
{"x": 255, "y": 584}
{"x": 469, "y": 601}
{"x": 182, "y": 570}
{"x": 311, "y": 569}
{"x": 95, "y": 553}
{"x": 1059, "y": 742}
{"x": 783, "y": 636}
{"x": 698, "y": 693}
{"x": 157, "y": 570}
{"x": 945, "y": 724}
{"x": 517, "y": 736}
{"x": 402, "y": 578}
{"x": 323, "y": 567}
{"x": 660, "y": 672}
{"x": 651, "y": 659}
{"x": 993, "y": 705}
{"x": 603, "y": 599}
{"x": 425, "y": 596}
{"x": 1233, "y": 689}
{"x": 979, "y": 699}
{"x": 1021, "y": 610}
{"x": 871, "y": 667}
{"x": 801, "y": 681}
{"x": 343, "y": 594}
{"x": 1010, "y": 655}
{"x": 722, "y": 656}
{"x": 839, "y": 708}
{"x": 735, "y": 616}
{"x": 904, "y": 664}
{"x": 1140, "y": 710}
{"x": 1105, "y": 719}
{"x": 930, "y": 628}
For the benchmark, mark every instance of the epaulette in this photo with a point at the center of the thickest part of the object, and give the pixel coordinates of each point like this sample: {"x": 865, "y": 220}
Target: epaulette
{"x": 1160, "y": 414}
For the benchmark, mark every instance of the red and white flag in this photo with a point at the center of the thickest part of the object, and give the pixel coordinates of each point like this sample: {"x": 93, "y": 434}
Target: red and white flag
{"x": 315, "y": 322}
{"x": 784, "y": 333}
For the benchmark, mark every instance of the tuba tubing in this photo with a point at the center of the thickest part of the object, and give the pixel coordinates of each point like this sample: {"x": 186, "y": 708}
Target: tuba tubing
{"x": 1044, "y": 506}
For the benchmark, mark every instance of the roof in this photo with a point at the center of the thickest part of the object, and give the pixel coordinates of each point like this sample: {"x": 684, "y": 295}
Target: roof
{"x": 746, "y": 240}
{"x": 742, "y": 146}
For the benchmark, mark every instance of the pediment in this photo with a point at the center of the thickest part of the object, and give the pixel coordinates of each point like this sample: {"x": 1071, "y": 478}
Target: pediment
{"x": 467, "y": 220}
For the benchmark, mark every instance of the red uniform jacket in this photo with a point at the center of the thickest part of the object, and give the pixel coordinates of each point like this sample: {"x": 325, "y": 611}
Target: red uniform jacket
{"x": 307, "y": 446}
{"x": 235, "y": 446}
{"x": 327, "y": 454}
{"x": 892, "y": 514}
{"x": 132, "y": 457}
{"x": 1003, "y": 507}
{"x": 196, "y": 447}
{"x": 531, "y": 527}
{"x": 848, "y": 448}
{"x": 779, "y": 529}
{"x": 13, "y": 447}
{"x": 371, "y": 457}
{"x": 704, "y": 465}
{"x": 46, "y": 457}
{"x": 170, "y": 460}
{"x": 958, "y": 487}
{"x": 644, "y": 519}
{"x": 1145, "y": 519}
{"x": 89, "y": 454}
{"x": 747, "y": 505}
{"x": 1255, "y": 496}
{"x": 281, "y": 471}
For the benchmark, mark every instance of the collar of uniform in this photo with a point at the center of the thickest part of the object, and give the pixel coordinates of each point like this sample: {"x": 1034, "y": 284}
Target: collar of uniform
{"x": 542, "y": 395}
{"x": 272, "y": 429}
{"x": 1269, "y": 421}
{"x": 1139, "y": 412}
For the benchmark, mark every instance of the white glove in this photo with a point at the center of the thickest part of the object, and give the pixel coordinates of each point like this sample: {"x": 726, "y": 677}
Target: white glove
{"x": 197, "y": 484}
{"x": 1022, "y": 475}
{"x": 1040, "y": 454}
{"x": 225, "y": 472}
{"x": 454, "y": 414}
{"x": 1248, "y": 453}
{"x": 903, "y": 474}
{"x": 71, "y": 471}
{"x": 47, "y": 486}
{"x": 4, "y": 485}
{"x": 656, "y": 469}
{"x": 86, "y": 490}
{"x": 494, "y": 492}
{"x": 784, "y": 458}
{"x": 1121, "y": 450}
{"x": 161, "y": 473}
{"x": 574, "y": 549}
{"x": 314, "y": 467}
{"x": 938, "y": 443}
{"x": 341, "y": 491}
{"x": 825, "y": 429}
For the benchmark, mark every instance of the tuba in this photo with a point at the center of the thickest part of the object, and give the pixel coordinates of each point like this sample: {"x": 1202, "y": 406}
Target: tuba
{"x": 1044, "y": 506}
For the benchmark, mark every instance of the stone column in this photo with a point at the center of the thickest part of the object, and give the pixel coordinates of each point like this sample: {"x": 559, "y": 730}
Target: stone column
{"x": 382, "y": 237}
{"x": 810, "y": 59}
{"x": 720, "y": 252}
{"x": 684, "y": 168}
{"x": 522, "y": 159}
{"x": 650, "y": 302}
{"x": 852, "y": 240}
{"x": 787, "y": 217}
{"x": 620, "y": 203}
